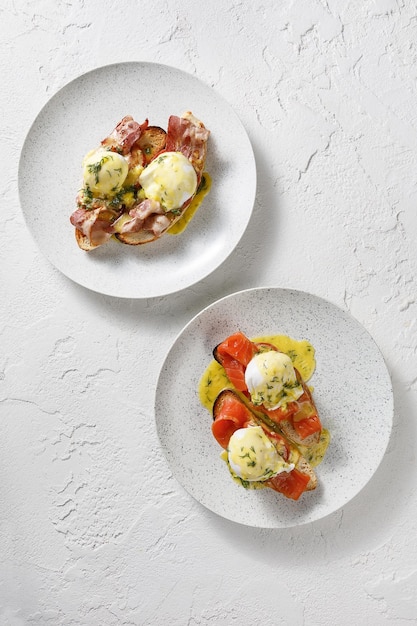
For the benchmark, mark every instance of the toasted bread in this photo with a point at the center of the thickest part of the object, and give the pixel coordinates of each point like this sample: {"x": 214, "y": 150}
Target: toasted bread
{"x": 136, "y": 239}
{"x": 151, "y": 142}
{"x": 304, "y": 467}
{"x": 301, "y": 463}
{"x": 83, "y": 241}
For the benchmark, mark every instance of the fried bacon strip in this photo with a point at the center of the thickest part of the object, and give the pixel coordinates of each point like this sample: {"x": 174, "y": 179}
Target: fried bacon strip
{"x": 126, "y": 133}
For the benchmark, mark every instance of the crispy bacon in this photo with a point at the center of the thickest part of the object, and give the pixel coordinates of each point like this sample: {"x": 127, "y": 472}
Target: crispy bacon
{"x": 156, "y": 224}
{"x": 188, "y": 135}
{"x": 125, "y": 134}
{"x": 140, "y": 213}
{"x": 95, "y": 224}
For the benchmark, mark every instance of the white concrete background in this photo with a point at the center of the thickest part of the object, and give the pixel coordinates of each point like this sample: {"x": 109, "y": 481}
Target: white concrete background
{"x": 94, "y": 529}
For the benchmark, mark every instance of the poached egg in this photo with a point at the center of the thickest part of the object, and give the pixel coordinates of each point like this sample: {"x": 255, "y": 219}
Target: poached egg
{"x": 252, "y": 456}
{"x": 170, "y": 179}
{"x": 104, "y": 172}
{"x": 271, "y": 380}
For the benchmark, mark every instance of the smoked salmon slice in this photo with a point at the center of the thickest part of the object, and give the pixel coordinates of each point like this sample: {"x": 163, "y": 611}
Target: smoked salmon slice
{"x": 235, "y": 372}
{"x": 229, "y": 415}
{"x": 301, "y": 414}
{"x": 234, "y": 354}
{"x": 281, "y": 413}
{"x": 239, "y": 347}
{"x": 290, "y": 484}
{"x": 307, "y": 426}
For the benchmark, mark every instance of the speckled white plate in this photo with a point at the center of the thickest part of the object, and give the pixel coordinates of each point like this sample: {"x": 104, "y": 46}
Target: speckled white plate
{"x": 75, "y": 120}
{"x": 352, "y": 389}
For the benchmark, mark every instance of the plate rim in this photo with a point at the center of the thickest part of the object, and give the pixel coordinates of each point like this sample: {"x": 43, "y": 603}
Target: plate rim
{"x": 389, "y": 391}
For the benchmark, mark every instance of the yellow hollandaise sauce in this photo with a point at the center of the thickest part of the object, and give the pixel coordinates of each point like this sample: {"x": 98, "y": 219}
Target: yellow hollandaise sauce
{"x": 185, "y": 219}
{"x": 314, "y": 454}
{"x": 214, "y": 378}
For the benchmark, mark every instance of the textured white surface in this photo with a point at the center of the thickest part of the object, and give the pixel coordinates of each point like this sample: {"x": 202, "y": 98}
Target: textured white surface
{"x": 94, "y": 529}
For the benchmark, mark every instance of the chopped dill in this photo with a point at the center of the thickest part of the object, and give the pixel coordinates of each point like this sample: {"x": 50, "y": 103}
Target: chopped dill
{"x": 95, "y": 168}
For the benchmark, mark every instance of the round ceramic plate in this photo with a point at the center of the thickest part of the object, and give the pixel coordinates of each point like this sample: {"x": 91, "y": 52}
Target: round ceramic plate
{"x": 74, "y": 122}
{"x": 352, "y": 390}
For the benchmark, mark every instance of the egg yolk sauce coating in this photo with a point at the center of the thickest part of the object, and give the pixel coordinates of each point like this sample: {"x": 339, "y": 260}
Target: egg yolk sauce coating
{"x": 170, "y": 180}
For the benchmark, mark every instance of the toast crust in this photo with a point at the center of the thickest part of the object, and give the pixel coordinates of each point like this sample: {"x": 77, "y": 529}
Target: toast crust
{"x": 151, "y": 142}
{"x": 83, "y": 241}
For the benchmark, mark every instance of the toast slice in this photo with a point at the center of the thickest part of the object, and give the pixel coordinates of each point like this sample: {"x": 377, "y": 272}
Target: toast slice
{"x": 285, "y": 448}
{"x": 151, "y": 142}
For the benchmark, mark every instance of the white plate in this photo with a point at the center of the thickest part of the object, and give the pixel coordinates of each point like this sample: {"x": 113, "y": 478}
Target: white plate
{"x": 352, "y": 389}
{"x": 75, "y": 120}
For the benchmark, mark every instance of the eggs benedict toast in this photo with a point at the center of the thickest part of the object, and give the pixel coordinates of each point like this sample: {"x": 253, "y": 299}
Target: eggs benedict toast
{"x": 258, "y": 456}
{"x": 275, "y": 389}
{"x": 140, "y": 181}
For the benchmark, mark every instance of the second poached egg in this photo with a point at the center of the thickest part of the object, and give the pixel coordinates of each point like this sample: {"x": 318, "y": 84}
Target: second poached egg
{"x": 170, "y": 179}
{"x": 271, "y": 380}
{"x": 253, "y": 457}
